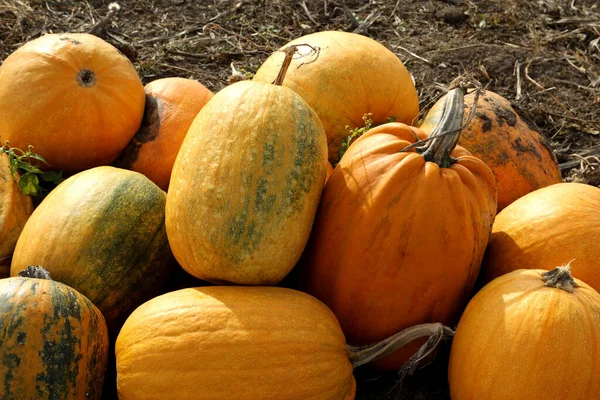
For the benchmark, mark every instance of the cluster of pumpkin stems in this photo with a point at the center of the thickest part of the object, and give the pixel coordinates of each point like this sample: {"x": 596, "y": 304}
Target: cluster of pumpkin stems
{"x": 32, "y": 181}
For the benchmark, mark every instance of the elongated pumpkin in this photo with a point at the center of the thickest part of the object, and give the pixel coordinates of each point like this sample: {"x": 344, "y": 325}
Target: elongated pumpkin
{"x": 171, "y": 106}
{"x": 530, "y": 334}
{"x": 73, "y": 96}
{"x": 349, "y": 76}
{"x": 15, "y": 209}
{"x": 101, "y": 232}
{"x": 53, "y": 340}
{"x": 234, "y": 342}
{"x": 518, "y": 155}
{"x": 246, "y": 185}
{"x": 545, "y": 227}
{"x": 399, "y": 235}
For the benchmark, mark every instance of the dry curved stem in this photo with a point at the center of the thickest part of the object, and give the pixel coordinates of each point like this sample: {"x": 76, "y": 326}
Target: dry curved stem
{"x": 100, "y": 26}
{"x": 289, "y": 52}
{"x": 560, "y": 278}
{"x": 35, "y": 271}
{"x": 435, "y": 332}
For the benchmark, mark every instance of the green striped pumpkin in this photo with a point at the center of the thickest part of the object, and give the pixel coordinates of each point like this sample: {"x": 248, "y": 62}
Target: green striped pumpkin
{"x": 246, "y": 185}
{"x": 53, "y": 342}
{"x": 101, "y": 232}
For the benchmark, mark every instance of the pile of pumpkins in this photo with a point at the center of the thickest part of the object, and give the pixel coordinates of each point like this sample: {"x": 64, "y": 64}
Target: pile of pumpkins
{"x": 410, "y": 233}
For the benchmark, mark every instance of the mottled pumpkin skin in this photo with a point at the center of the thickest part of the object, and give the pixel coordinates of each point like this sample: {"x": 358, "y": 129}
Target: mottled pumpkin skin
{"x": 53, "y": 342}
{"x": 549, "y": 226}
{"x": 519, "y": 339}
{"x": 233, "y": 343}
{"x": 352, "y": 75}
{"x": 15, "y": 209}
{"x": 398, "y": 241}
{"x": 519, "y": 156}
{"x": 171, "y": 106}
{"x": 246, "y": 185}
{"x": 74, "y": 127}
{"x": 101, "y": 232}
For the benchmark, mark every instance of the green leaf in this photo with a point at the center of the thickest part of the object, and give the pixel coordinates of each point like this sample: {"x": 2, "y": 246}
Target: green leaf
{"x": 38, "y": 157}
{"x": 52, "y": 176}
{"x": 29, "y": 184}
{"x": 23, "y": 166}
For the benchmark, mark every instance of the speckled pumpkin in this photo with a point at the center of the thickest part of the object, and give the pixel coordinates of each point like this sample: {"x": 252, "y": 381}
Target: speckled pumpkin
{"x": 171, "y": 106}
{"x": 101, "y": 232}
{"x": 246, "y": 185}
{"x": 518, "y": 155}
{"x": 53, "y": 342}
{"x": 233, "y": 343}
{"x": 352, "y": 75}
{"x": 15, "y": 209}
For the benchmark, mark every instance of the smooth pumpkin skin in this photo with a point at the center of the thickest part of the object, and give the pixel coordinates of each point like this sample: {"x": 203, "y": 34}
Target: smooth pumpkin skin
{"x": 74, "y": 127}
{"x": 15, "y": 209}
{"x": 519, "y": 339}
{"x": 329, "y": 171}
{"x": 518, "y": 155}
{"x": 549, "y": 226}
{"x": 171, "y": 106}
{"x": 101, "y": 232}
{"x": 397, "y": 241}
{"x": 53, "y": 342}
{"x": 228, "y": 343}
{"x": 246, "y": 185}
{"x": 352, "y": 75}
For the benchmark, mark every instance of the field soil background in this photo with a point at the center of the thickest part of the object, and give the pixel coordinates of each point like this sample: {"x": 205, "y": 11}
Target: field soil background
{"x": 543, "y": 55}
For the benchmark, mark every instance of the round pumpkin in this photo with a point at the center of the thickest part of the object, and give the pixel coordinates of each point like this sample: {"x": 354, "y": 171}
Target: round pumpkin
{"x": 226, "y": 342}
{"x": 15, "y": 209}
{"x": 171, "y": 106}
{"x": 246, "y": 185}
{"x": 329, "y": 171}
{"x": 545, "y": 227}
{"x": 399, "y": 236}
{"x": 518, "y": 155}
{"x": 530, "y": 334}
{"x": 351, "y": 75}
{"x": 53, "y": 341}
{"x": 74, "y": 97}
{"x": 101, "y": 232}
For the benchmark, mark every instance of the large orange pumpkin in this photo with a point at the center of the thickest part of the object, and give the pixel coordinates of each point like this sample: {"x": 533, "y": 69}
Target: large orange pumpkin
{"x": 15, "y": 209}
{"x": 399, "y": 236}
{"x": 171, "y": 106}
{"x": 530, "y": 334}
{"x": 545, "y": 227}
{"x": 53, "y": 340}
{"x": 246, "y": 185}
{"x": 518, "y": 155}
{"x": 352, "y": 75}
{"x": 74, "y": 97}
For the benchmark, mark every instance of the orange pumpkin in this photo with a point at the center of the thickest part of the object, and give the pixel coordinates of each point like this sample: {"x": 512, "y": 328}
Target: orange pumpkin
{"x": 352, "y": 75}
{"x": 545, "y": 227}
{"x": 530, "y": 334}
{"x": 399, "y": 235}
{"x": 329, "y": 171}
{"x": 15, "y": 209}
{"x": 518, "y": 155}
{"x": 171, "y": 106}
{"x": 74, "y": 97}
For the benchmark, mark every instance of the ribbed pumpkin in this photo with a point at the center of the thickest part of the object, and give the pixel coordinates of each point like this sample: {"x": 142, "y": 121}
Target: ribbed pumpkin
{"x": 74, "y": 97}
{"x": 399, "y": 235}
{"x": 171, "y": 106}
{"x": 15, "y": 208}
{"x": 352, "y": 75}
{"x": 545, "y": 227}
{"x": 530, "y": 334}
{"x": 518, "y": 155}
{"x": 53, "y": 341}
{"x": 246, "y": 185}
{"x": 101, "y": 232}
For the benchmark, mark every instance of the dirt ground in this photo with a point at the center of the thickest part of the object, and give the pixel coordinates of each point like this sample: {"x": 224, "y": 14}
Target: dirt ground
{"x": 543, "y": 55}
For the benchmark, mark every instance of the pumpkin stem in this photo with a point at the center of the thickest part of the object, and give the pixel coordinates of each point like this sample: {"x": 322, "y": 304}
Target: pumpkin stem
{"x": 35, "y": 271}
{"x": 560, "y": 278}
{"x": 289, "y": 55}
{"x": 436, "y": 332}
